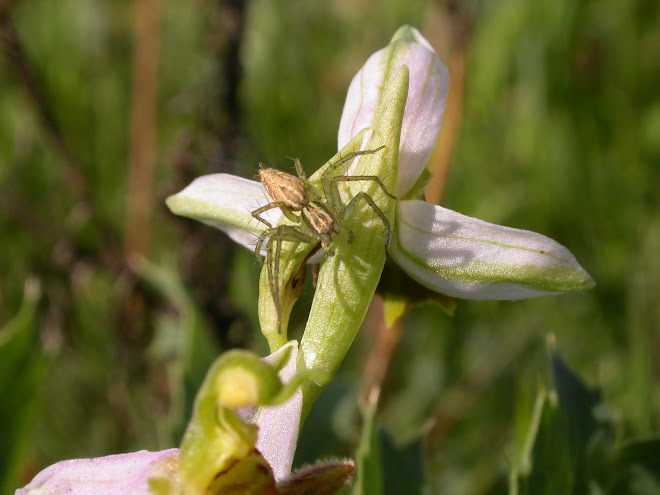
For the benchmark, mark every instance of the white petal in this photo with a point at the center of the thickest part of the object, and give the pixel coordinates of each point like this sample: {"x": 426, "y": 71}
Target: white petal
{"x": 123, "y": 474}
{"x": 279, "y": 425}
{"x": 428, "y": 86}
{"x": 471, "y": 259}
{"x": 226, "y": 201}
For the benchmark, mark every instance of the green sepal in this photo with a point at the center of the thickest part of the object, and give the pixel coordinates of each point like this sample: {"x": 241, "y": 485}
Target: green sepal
{"x": 417, "y": 191}
{"x": 368, "y": 455}
{"x": 348, "y": 277}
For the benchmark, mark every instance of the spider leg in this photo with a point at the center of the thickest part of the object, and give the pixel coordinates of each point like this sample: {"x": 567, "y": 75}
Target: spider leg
{"x": 270, "y": 206}
{"x": 278, "y": 235}
{"x": 331, "y": 196}
{"x": 260, "y": 242}
{"x": 300, "y": 171}
{"x": 356, "y": 178}
{"x": 364, "y": 196}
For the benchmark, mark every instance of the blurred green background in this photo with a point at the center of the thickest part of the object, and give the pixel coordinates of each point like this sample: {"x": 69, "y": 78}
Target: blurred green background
{"x": 111, "y": 308}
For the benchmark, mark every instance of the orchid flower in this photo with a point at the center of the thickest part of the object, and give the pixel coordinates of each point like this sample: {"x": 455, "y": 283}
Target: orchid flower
{"x": 441, "y": 249}
{"x": 395, "y": 103}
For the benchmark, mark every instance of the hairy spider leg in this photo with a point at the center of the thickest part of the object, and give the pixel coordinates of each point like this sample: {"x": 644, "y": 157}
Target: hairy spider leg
{"x": 300, "y": 171}
{"x": 284, "y": 232}
{"x": 326, "y": 179}
{"x": 276, "y": 236}
{"x": 353, "y": 203}
{"x": 363, "y": 195}
{"x": 334, "y": 185}
{"x": 275, "y": 204}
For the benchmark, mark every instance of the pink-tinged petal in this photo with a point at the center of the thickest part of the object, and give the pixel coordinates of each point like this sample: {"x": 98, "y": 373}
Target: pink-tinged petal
{"x": 468, "y": 258}
{"x": 226, "y": 202}
{"x": 123, "y": 474}
{"x": 427, "y": 94}
{"x": 279, "y": 425}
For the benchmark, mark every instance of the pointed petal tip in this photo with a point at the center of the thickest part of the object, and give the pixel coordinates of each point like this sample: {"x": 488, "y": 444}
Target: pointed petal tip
{"x": 583, "y": 281}
{"x": 405, "y": 33}
{"x": 468, "y": 258}
{"x": 411, "y": 35}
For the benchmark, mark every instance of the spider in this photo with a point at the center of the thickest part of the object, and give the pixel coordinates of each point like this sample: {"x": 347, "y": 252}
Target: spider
{"x": 319, "y": 211}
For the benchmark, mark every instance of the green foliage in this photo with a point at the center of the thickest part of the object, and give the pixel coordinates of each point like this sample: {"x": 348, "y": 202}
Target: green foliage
{"x": 570, "y": 446}
{"x": 21, "y": 376}
{"x": 369, "y": 455}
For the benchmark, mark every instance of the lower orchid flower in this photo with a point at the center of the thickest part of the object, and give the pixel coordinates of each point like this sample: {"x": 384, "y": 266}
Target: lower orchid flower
{"x": 241, "y": 439}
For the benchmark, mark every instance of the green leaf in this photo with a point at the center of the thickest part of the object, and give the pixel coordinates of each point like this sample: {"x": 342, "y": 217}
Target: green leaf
{"x": 21, "y": 377}
{"x": 643, "y": 451}
{"x": 402, "y": 465}
{"x": 182, "y": 336}
{"x": 568, "y": 447}
{"x": 548, "y": 467}
{"x": 578, "y": 403}
{"x": 636, "y": 463}
{"x": 368, "y": 455}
